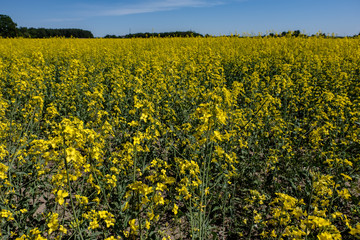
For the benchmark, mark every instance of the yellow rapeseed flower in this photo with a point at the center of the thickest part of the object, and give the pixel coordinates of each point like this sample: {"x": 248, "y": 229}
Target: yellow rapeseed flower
{"x": 61, "y": 194}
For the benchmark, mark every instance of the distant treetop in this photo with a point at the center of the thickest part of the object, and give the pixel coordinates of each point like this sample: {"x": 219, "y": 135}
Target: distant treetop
{"x": 7, "y": 26}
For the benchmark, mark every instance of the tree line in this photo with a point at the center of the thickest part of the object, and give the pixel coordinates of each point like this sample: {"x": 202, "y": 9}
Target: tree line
{"x": 161, "y": 35}
{"x": 9, "y": 29}
{"x": 48, "y": 32}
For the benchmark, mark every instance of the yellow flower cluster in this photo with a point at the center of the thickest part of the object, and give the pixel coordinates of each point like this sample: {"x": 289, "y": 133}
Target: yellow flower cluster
{"x": 175, "y": 138}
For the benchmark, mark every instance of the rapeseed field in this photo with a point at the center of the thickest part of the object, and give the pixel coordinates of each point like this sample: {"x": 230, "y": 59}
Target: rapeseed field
{"x": 180, "y": 138}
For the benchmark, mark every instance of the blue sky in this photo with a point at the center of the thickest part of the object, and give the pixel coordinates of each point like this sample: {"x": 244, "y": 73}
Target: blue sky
{"x": 215, "y": 17}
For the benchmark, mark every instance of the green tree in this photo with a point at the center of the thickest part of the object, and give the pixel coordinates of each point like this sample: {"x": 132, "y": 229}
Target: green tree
{"x": 7, "y": 26}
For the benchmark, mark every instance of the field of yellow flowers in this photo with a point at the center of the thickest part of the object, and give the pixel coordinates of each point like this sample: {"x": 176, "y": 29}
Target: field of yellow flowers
{"x": 195, "y": 138}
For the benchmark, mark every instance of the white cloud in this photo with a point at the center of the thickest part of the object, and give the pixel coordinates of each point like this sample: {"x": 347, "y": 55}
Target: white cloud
{"x": 153, "y": 6}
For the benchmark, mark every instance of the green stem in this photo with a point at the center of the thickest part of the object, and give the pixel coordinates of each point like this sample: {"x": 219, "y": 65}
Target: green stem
{"x": 71, "y": 199}
{"x": 308, "y": 210}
